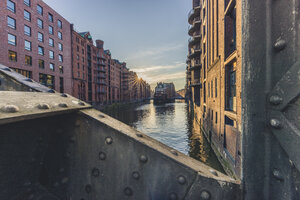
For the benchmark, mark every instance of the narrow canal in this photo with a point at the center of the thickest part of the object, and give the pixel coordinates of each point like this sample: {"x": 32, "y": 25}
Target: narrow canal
{"x": 172, "y": 124}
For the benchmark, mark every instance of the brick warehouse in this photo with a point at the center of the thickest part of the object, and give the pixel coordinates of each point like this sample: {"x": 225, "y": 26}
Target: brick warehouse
{"x": 36, "y": 43}
{"x": 214, "y": 76}
{"x": 40, "y": 44}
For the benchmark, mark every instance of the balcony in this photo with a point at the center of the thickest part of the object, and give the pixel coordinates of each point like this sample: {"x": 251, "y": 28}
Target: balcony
{"x": 195, "y": 52}
{"x": 196, "y": 82}
{"x": 196, "y": 26}
{"x": 195, "y": 39}
{"x": 196, "y": 66}
{"x": 194, "y": 12}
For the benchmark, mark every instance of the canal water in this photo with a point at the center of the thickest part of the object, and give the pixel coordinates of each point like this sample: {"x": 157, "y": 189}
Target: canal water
{"x": 172, "y": 124}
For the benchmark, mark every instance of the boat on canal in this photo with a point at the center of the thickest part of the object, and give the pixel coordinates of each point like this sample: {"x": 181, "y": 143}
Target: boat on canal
{"x": 164, "y": 93}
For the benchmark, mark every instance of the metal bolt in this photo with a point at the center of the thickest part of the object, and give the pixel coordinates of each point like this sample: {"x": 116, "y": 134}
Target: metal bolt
{"x": 143, "y": 158}
{"x": 213, "y": 172}
{"x": 64, "y": 180}
{"x": 174, "y": 152}
{"x": 173, "y": 196}
{"x": 88, "y": 188}
{"x": 139, "y": 135}
{"x": 43, "y": 106}
{"x": 102, "y": 156}
{"x": 81, "y": 103}
{"x": 10, "y": 109}
{"x": 279, "y": 45}
{"x": 101, "y": 116}
{"x": 205, "y": 195}
{"x": 51, "y": 91}
{"x": 275, "y": 123}
{"x": 128, "y": 191}
{"x": 181, "y": 180}
{"x": 275, "y": 100}
{"x": 64, "y": 95}
{"x": 29, "y": 80}
{"x": 136, "y": 175}
{"x": 63, "y": 105}
{"x": 7, "y": 69}
{"x": 109, "y": 140}
{"x": 277, "y": 175}
{"x": 95, "y": 172}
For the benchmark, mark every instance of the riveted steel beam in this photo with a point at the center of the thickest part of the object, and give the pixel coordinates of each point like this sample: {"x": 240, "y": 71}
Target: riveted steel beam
{"x": 18, "y": 106}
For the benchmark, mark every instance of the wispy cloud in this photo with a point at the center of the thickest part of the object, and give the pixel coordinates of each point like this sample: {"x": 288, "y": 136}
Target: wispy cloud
{"x": 145, "y": 69}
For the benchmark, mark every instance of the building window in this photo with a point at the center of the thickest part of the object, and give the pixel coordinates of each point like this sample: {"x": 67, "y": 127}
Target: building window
{"x": 28, "y": 60}
{"x": 82, "y": 59}
{"x": 212, "y": 115}
{"x": 78, "y": 74}
{"x": 27, "y": 15}
{"x": 40, "y": 23}
{"x": 50, "y": 30}
{"x": 77, "y": 39}
{"x": 25, "y": 73}
{"x": 47, "y": 80}
{"x": 60, "y": 46}
{"x": 59, "y": 24}
{"x": 208, "y": 92}
{"x": 51, "y": 66}
{"x": 40, "y": 37}
{"x": 51, "y": 54}
{"x": 78, "y": 66}
{"x": 216, "y": 119}
{"x": 61, "y": 69}
{"x": 77, "y": 48}
{"x": 50, "y": 17}
{"x": 41, "y": 64}
{"x": 27, "y": 3}
{"x": 12, "y": 56}
{"x": 230, "y": 87}
{"x": 60, "y": 58}
{"x": 216, "y": 87}
{"x": 39, "y": 9}
{"x": 77, "y": 57}
{"x": 41, "y": 50}
{"x": 28, "y": 45}
{"x": 11, "y": 22}
{"x": 212, "y": 89}
{"x": 51, "y": 42}
{"x": 61, "y": 84}
{"x": 230, "y": 32}
{"x": 59, "y": 34}
{"x": 12, "y": 39}
{"x": 11, "y": 6}
{"x": 27, "y": 30}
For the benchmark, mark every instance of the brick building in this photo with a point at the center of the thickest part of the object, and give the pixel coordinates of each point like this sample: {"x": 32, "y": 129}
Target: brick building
{"x": 35, "y": 41}
{"x": 214, "y": 76}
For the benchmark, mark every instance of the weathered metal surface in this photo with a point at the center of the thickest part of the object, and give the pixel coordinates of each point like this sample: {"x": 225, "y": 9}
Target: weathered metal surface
{"x": 17, "y": 106}
{"x": 271, "y": 88}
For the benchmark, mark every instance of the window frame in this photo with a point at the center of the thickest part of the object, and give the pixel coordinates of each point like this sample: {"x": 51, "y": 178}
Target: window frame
{"x": 43, "y": 50}
{"x": 51, "y": 52}
{"x": 28, "y": 49}
{"x": 52, "y": 30}
{"x": 10, "y": 43}
{"x": 9, "y": 8}
{"x": 30, "y": 58}
{"x": 59, "y": 24}
{"x": 25, "y": 32}
{"x": 51, "y": 45}
{"x": 42, "y": 25}
{"x": 16, "y": 56}
{"x": 42, "y": 10}
{"x": 52, "y": 64}
{"x": 60, "y": 46}
{"x": 39, "y": 61}
{"x": 15, "y": 23}
{"x": 50, "y": 18}
{"x": 59, "y": 35}
{"x": 42, "y": 40}
{"x": 29, "y": 18}
{"x": 27, "y": 3}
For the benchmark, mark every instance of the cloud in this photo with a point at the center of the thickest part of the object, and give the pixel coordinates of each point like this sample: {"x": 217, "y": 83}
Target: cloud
{"x": 147, "y": 69}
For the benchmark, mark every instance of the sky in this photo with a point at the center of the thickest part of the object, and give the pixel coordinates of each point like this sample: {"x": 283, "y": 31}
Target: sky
{"x": 149, "y": 35}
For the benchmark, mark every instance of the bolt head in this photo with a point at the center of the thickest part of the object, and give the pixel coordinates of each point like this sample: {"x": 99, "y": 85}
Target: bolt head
{"x": 280, "y": 45}
{"x": 143, "y": 158}
{"x": 139, "y": 135}
{"x": 102, "y": 156}
{"x": 205, "y": 195}
{"x": 276, "y": 100}
{"x": 10, "y": 109}
{"x": 81, "y": 104}
{"x": 277, "y": 175}
{"x": 109, "y": 140}
{"x": 174, "y": 152}
{"x": 275, "y": 123}
{"x": 101, "y": 116}
{"x": 64, "y": 95}
{"x": 136, "y": 175}
{"x": 43, "y": 106}
{"x": 51, "y": 91}
{"x": 181, "y": 180}
{"x": 213, "y": 172}
{"x": 63, "y": 105}
{"x": 128, "y": 191}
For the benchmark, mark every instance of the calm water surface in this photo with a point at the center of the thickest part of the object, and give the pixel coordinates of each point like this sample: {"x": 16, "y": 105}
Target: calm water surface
{"x": 172, "y": 124}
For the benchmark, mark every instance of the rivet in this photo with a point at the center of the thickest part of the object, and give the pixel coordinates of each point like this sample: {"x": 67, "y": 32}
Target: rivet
{"x": 64, "y": 180}
{"x": 101, "y": 116}
{"x": 95, "y": 172}
{"x": 143, "y": 158}
{"x": 205, "y": 195}
{"x": 139, "y": 135}
{"x": 64, "y": 95}
{"x": 10, "y": 109}
{"x": 174, "y": 152}
{"x": 81, "y": 104}
{"x": 181, "y": 180}
{"x": 279, "y": 45}
{"x": 128, "y": 191}
{"x": 275, "y": 100}
{"x": 277, "y": 175}
{"x": 43, "y": 106}
{"x": 136, "y": 175}
{"x": 213, "y": 172}
{"x": 63, "y": 105}
{"x": 109, "y": 140}
{"x": 88, "y": 188}
{"x": 102, "y": 156}
{"x": 29, "y": 80}
{"x": 51, "y": 91}
{"x": 7, "y": 69}
{"x": 275, "y": 123}
{"x": 173, "y": 196}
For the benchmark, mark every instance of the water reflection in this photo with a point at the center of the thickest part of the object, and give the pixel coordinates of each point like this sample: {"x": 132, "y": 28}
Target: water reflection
{"x": 172, "y": 124}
